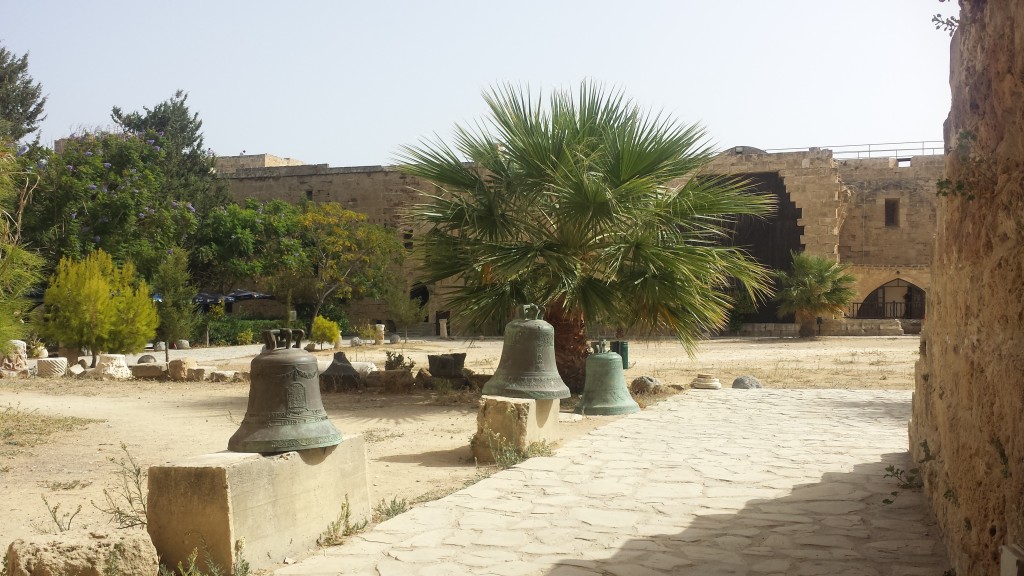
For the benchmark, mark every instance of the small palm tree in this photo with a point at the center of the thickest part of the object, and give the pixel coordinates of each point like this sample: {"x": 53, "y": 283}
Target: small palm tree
{"x": 588, "y": 206}
{"x": 813, "y": 287}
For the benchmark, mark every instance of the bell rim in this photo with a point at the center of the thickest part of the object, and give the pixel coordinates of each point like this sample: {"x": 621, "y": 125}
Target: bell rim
{"x": 273, "y": 446}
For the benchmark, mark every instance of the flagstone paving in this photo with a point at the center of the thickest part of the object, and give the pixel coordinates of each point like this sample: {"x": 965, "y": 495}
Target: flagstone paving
{"x": 710, "y": 482}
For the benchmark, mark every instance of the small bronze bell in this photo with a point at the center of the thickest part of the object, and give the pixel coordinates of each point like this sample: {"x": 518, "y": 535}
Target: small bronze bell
{"x": 285, "y": 411}
{"x": 527, "y": 366}
{"x": 605, "y": 392}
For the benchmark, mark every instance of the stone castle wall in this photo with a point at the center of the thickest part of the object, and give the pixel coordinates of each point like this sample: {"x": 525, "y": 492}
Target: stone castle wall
{"x": 841, "y": 204}
{"x": 967, "y": 430}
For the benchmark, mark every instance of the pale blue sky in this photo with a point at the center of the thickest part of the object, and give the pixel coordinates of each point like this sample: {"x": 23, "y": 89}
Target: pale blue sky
{"x": 347, "y": 83}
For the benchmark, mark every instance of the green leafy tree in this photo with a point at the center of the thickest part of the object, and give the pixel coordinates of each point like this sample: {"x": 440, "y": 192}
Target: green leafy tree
{"x": 812, "y": 287}
{"x": 93, "y": 303}
{"x": 347, "y": 257}
{"x": 21, "y": 98}
{"x": 176, "y": 308}
{"x": 588, "y": 206}
{"x": 19, "y": 268}
{"x": 252, "y": 242}
{"x": 403, "y": 310}
{"x": 186, "y": 164}
{"x": 323, "y": 330}
{"x": 102, "y": 191}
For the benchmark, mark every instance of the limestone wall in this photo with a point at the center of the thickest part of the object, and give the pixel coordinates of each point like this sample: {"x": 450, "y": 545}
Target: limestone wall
{"x": 228, "y": 164}
{"x": 866, "y": 237}
{"x": 968, "y": 408}
{"x": 812, "y": 182}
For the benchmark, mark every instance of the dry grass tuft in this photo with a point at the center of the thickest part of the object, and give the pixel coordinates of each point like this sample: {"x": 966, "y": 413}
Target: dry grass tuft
{"x": 22, "y": 429}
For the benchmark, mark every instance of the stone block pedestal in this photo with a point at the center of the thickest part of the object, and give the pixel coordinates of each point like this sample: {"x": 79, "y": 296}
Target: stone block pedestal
{"x": 278, "y": 504}
{"x": 518, "y": 421}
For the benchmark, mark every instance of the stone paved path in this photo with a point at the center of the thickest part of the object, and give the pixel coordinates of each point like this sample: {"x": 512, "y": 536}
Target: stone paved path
{"x": 728, "y": 482}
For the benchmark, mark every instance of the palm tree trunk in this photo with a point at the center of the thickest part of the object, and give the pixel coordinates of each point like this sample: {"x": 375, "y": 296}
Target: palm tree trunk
{"x": 570, "y": 344}
{"x": 808, "y": 324}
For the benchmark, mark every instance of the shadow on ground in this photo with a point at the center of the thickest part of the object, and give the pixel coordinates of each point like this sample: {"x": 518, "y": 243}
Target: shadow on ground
{"x": 838, "y": 526}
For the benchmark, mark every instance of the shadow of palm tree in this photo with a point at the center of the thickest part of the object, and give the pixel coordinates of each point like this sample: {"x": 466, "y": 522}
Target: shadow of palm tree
{"x": 837, "y": 526}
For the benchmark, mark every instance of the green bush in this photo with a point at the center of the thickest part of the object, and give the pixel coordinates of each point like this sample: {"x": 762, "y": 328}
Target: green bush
{"x": 232, "y": 330}
{"x": 323, "y": 331}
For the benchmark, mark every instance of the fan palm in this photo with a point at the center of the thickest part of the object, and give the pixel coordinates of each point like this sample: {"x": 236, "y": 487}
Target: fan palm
{"x": 814, "y": 286}
{"x": 590, "y": 207}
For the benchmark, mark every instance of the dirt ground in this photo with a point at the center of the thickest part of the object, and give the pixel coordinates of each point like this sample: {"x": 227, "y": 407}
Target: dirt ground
{"x": 417, "y": 444}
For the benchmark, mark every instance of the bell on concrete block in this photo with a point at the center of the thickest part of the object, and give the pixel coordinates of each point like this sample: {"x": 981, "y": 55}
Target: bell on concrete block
{"x": 527, "y": 366}
{"x": 285, "y": 411}
{"x": 605, "y": 392}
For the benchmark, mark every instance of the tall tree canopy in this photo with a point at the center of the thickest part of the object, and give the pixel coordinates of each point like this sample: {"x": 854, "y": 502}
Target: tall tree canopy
{"x": 589, "y": 206}
{"x": 104, "y": 190}
{"x": 19, "y": 268}
{"x": 185, "y": 163}
{"x": 21, "y": 98}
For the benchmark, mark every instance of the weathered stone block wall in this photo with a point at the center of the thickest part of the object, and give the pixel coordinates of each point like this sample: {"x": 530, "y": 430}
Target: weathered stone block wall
{"x": 228, "y": 164}
{"x": 865, "y": 238}
{"x": 812, "y": 182}
{"x": 968, "y": 407}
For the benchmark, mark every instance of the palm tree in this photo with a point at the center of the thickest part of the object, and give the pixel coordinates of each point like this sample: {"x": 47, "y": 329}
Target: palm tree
{"x": 590, "y": 207}
{"x": 814, "y": 286}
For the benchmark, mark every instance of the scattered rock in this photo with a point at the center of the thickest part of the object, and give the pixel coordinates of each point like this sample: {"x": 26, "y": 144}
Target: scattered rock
{"x": 17, "y": 358}
{"x": 423, "y": 378}
{"x": 181, "y": 345}
{"x": 78, "y": 554}
{"x": 394, "y": 338}
{"x": 746, "y": 383}
{"x": 446, "y": 365}
{"x": 222, "y": 376}
{"x": 112, "y": 367}
{"x": 311, "y": 347}
{"x": 646, "y": 385}
{"x": 197, "y": 374}
{"x": 364, "y": 368}
{"x": 149, "y": 371}
{"x": 159, "y": 346}
{"x": 356, "y": 341}
{"x": 76, "y": 369}
{"x": 392, "y": 381}
{"x": 706, "y": 382}
{"x": 178, "y": 368}
{"x": 147, "y": 359}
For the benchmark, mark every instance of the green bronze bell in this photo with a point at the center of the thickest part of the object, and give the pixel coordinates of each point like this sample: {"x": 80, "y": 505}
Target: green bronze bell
{"x": 285, "y": 411}
{"x": 605, "y": 392}
{"x": 527, "y": 366}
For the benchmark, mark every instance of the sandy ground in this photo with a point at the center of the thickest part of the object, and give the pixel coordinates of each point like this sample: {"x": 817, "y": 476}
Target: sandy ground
{"x": 417, "y": 444}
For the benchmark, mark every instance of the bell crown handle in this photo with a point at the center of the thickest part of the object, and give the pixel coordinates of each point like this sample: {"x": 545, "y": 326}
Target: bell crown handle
{"x": 270, "y": 339}
{"x": 298, "y": 335}
{"x": 530, "y": 312}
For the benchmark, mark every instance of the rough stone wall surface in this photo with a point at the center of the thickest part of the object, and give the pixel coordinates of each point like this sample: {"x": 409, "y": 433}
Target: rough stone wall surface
{"x": 969, "y": 400}
{"x": 865, "y": 238}
{"x": 812, "y": 182}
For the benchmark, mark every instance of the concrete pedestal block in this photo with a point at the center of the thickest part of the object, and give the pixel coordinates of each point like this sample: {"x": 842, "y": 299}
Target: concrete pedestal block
{"x": 278, "y": 504}
{"x": 518, "y": 421}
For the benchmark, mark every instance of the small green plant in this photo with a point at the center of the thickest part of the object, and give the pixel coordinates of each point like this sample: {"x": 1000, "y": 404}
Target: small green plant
{"x": 367, "y": 332}
{"x": 192, "y": 568}
{"x": 385, "y": 510}
{"x": 928, "y": 456}
{"x": 245, "y": 337}
{"x": 905, "y": 480}
{"x": 112, "y": 567}
{"x": 976, "y": 170}
{"x": 341, "y": 528}
{"x": 126, "y": 504}
{"x": 323, "y": 330}
{"x": 62, "y": 520}
{"x": 506, "y": 454}
{"x": 397, "y": 361}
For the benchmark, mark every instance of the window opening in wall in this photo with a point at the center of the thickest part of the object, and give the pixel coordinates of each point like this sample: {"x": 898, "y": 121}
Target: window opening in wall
{"x": 903, "y": 162}
{"x": 407, "y": 237}
{"x": 309, "y": 194}
{"x": 892, "y": 211}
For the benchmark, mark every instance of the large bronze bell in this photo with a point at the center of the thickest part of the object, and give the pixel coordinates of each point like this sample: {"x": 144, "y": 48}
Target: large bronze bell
{"x": 604, "y": 391}
{"x": 527, "y": 366}
{"x": 285, "y": 411}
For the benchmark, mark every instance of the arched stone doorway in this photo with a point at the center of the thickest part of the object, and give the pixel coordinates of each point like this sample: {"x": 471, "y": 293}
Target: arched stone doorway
{"x": 894, "y": 299}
